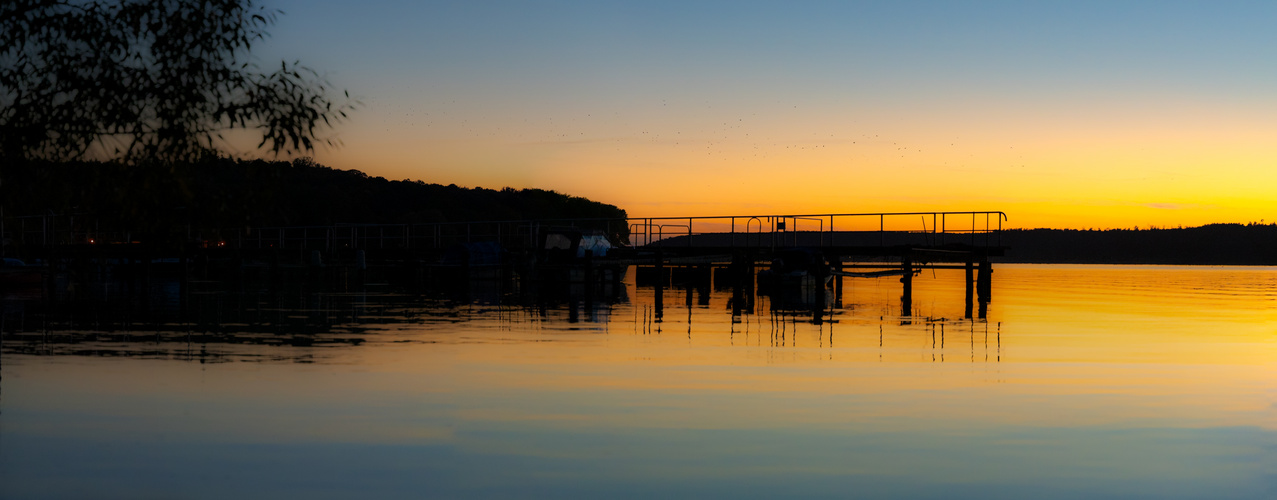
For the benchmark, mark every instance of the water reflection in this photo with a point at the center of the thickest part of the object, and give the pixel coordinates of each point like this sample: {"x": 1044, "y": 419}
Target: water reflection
{"x": 308, "y": 322}
{"x": 166, "y": 318}
{"x": 1081, "y": 382}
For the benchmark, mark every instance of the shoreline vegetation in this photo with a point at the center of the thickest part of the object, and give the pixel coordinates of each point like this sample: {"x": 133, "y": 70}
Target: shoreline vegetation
{"x": 163, "y": 202}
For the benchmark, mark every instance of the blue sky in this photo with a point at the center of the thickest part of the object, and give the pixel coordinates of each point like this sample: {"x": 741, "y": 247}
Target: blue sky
{"x": 569, "y": 95}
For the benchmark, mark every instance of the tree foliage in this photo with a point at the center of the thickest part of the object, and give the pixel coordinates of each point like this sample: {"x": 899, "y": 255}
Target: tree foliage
{"x": 137, "y": 80}
{"x": 233, "y": 194}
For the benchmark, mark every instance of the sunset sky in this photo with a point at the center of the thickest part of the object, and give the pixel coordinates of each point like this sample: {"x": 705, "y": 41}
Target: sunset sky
{"x": 1062, "y": 114}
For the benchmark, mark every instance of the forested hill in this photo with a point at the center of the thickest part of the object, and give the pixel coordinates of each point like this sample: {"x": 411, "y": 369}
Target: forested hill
{"x": 237, "y": 193}
{"x": 1214, "y": 244}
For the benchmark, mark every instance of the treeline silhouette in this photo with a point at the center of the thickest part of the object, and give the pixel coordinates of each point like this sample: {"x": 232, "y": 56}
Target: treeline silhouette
{"x": 1213, "y": 244}
{"x": 164, "y": 200}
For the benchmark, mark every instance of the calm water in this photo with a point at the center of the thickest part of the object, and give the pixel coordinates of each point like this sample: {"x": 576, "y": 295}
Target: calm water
{"x": 1083, "y": 381}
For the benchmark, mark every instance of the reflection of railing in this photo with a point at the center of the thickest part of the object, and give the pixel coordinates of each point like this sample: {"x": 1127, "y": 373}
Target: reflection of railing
{"x": 821, "y": 230}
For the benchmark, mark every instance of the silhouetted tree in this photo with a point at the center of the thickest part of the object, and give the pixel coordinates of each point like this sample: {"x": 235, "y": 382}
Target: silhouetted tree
{"x": 136, "y": 80}
{"x": 217, "y": 195}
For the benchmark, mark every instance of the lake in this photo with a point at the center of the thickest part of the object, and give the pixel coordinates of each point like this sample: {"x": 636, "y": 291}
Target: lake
{"x": 1081, "y": 381}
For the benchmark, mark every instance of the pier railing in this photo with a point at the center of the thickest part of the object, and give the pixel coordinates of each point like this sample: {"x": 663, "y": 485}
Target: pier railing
{"x": 821, "y": 230}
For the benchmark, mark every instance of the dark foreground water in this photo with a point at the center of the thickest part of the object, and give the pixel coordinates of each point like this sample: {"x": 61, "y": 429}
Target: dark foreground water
{"x": 1083, "y": 382}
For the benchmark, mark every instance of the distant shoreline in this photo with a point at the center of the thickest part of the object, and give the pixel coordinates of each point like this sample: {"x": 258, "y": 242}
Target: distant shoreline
{"x": 1111, "y": 265}
{"x": 1210, "y": 245}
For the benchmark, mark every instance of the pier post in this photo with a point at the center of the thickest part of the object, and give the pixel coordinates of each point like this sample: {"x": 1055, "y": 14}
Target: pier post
{"x": 835, "y": 263}
{"x": 984, "y": 281}
{"x": 818, "y": 304}
{"x": 970, "y": 288}
{"x": 659, "y": 305}
{"x": 689, "y": 286}
{"x": 704, "y": 284}
{"x": 748, "y": 281}
{"x": 906, "y": 279}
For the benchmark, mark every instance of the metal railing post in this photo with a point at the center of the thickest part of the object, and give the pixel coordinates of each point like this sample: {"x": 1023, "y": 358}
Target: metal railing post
{"x": 974, "y": 229}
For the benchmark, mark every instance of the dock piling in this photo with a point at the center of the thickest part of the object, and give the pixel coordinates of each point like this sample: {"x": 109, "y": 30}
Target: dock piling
{"x": 984, "y": 282}
{"x": 970, "y": 285}
{"x": 906, "y": 279}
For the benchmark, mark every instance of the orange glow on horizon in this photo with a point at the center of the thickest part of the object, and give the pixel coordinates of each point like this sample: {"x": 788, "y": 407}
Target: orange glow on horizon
{"x": 1055, "y": 165}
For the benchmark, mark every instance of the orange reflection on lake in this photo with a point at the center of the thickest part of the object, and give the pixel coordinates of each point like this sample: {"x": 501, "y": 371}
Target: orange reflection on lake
{"x": 1139, "y": 380}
